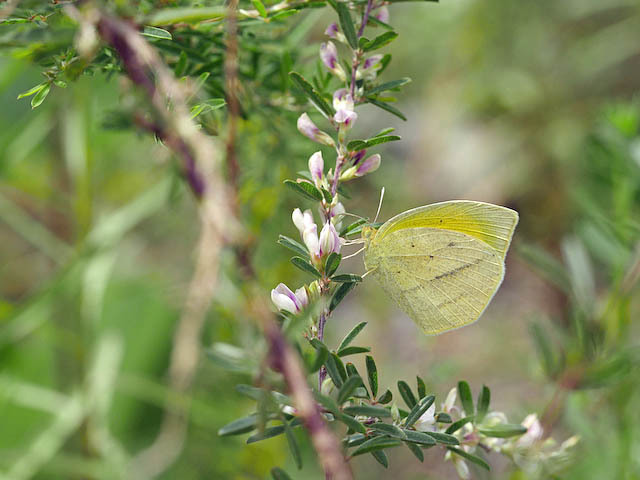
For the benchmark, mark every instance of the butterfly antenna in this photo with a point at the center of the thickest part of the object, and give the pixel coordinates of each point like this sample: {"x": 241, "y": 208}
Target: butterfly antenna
{"x": 379, "y": 205}
{"x": 368, "y": 272}
{"x": 353, "y": 254}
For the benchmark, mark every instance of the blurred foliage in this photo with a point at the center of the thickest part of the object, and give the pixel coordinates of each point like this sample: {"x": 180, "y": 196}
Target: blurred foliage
{"x": 96, "y": 227}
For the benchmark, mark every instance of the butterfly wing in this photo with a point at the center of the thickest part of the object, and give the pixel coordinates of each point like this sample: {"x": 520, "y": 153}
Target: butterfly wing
{"x": 443, "y": 263}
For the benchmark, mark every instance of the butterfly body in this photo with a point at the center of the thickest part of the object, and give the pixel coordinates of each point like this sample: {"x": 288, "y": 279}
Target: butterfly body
{"x": 442, "y": 263}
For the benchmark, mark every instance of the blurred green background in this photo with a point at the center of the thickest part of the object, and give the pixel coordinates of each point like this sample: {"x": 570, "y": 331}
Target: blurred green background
{"x": 526, "y": 104}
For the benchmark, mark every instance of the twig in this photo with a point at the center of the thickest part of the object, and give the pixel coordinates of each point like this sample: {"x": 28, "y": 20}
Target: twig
{"x": 232, "y": 84}
{"x": 8, "y": 8}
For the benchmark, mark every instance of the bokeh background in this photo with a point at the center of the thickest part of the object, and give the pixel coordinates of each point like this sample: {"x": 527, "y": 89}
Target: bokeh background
{"x": 531, "y": 105}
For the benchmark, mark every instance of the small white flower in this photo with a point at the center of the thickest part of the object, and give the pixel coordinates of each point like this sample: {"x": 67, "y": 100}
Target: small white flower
{"x": 329, "y": 56}
{"x": 343, "y": 104}
{"x": 302, "y": 221}
{"x": 329, "y": 240}
{"x": 316, "y": 167}
{"x": 426, "y": 423}
{"x": 371, "y": 164}
{"x": 336, "y": 214}
{"x": 310, "y": 130}
{"x": 303, "y": 298}
{"x": 534, "y": 431}
{"x": 450, "y": 401}
{"x": 285, "y": 299}
{"x": 382, "y": 14}
{"x": 310, "y": 238}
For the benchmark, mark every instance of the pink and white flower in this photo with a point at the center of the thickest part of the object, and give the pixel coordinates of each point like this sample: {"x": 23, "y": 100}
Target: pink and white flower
{"x": 344, "y": 106}
{"x": 310, "y": 130}
{"x": 316, "y": 167}
{"x": 284, "y": 299}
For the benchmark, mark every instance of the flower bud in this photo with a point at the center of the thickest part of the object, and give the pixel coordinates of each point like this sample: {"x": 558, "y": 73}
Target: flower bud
{"x": 329, "y": 240}
{"x": 329, "y": 56}
{"x": 357, "y": 157}
{"x": 310, "y": 238}
{"x": 316, "y": 167}
{"x": 309, "y": 130}
{"x": 303, "y": 298}
{"x": 450, "y": 401}
{"x": 534, "y": 431}
{"x": 302, "y": 220}
{"x": 382, "y": 14}
{"x": 369, "y": 165}
{"x": 348, "y": 174}
{"x": 427, "y": 420}
{"x": 336, "y": 214}
{"x": 343, "y": 104}
{"x": 332, "y": 30}
{"x": 367, "y": 70}
{"x": 285, "y": 299}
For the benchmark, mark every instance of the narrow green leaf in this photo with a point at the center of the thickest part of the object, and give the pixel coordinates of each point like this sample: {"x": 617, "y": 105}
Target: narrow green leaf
{"x": 368, "y": 410}
{"x": 383, "y": 87}
{"x": 375, "y": 444}
{"x": 293, "y": 245}
{"x": 155, "y": 32}
{"x": 346, "y": 22}
{"x": 381, "y": 458}
{"x": 332, "y": 263}
{"x": 347, "y": 278}
{"x": 380, "y": 41}
{"x": 388, "y": 429}
{"x": 385, "y": 106}
{"x": 314, "y": 97}
{"x": 349, "y": 337}
{"x": 384, "y": 139}
{"x": 417, "y": 411}
{"x": 327, "y": 402}
{"x": 504, "y": 430}
{"x": 351, "y": 370}
{"x": 422, "y": 388}
{"x": 32, "y": 91}
{"x": 419, "y": 437}
{"x": 267, "y": 433}
{"x": 328, "y": 198}
{"x": 372, "y": 374}
{"x": 354, "y": 440}
{"x": 443, "y": 438}
{"x": 458, "y": 424}
{"x": 352, "y": 351}
{"x": 39, "y": 97}
{"x": 241, "y": 425}
{"x": 386, "y": 397}
{"x": 306, "y": 189}
{"x": 351, "y": 422}
{"x": 278, "y": 474}
{"x": 416, "y": 450}
{"x": 335, "y": 369}
{"x": 356, "y": 145}
{"x": 348, "y": 387}
{"x": 443, "y": 418}
{"x": 544, "y": 350}
{"x": 305, "y": 266}
{"x": 484, "y": 398}
{"x": 406, "y": 394}
{"x": 340, "y": 293}
{"x": 259, "y": 6}
{"x": 293, "y": 446}
{"x": 349, "y": 228}
{"x": 472, "y": 458}
{"x": 464, "y": 393}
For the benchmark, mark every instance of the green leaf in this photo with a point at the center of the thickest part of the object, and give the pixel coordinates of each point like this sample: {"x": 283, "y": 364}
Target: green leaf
{"x": 348, "y": 387}
{"x": 544, "y": 350}
{"x": 241, "y": 425}
{"x": 354, "y": 440}
{"x": 386, "y": 397}
{"x": 383, "y": 139}
{"x": 388, "y": 429}
{"x": 335, "y": 369}
{"x": 380, "y": 41}
{"x": 349, "y": 228}
{"x": 356, "y": 145}
{"x": 418, "y": 437}
{"x": 349, "y": 337}
{"x": 375, "y": 444}
{"x": 306, "y": 266}
{"x": 278, "y": 474}
{"x": 503, "y": 430}
{"x": 443, "y": 438}
{"x": 458, "y": 424}
{"x": 368, "y": 410}
{"x": 381, "y": 458}
{"x": 352, "y": 351}
{"x": 155, "y": 32}
{"x": 422, "y": 388}
{"x": 347, "y": 278}
{"x": 341, "y": 292}
{"x": 267, "y": 433}
{"x": 383, "y": 87}
{"x": 291, "y": 244}
{"x": 39, "y": 97}
{"x": 346, "y": 22}
{"x": 350, "y": 422}
{"x": 306, "y": 189}
{"x": 385, "y": 106}
{"x": 314, "y": 97}
{"x": 545, "y": 265}
{"x": 259, "y": 6}
{"x": 443, "y": 418}
{"x": 327, "y": 402}
{"x": 332, "y": 263}
{"x": 169, "y": 16}
{"x": 293, "y": 446}
{"x": 472, "y": 458}
{"x": 328, "y": 198}
{"x": 484, "y": 398}
{"x": 372, "y": 374}
{"x": 464, "y": 392}
{"x": 321, "y": 357}
{"x": 416, "y": 450}
{"x": 406, "y": 394}
{"x": 417, "y": 411}
{"x": 32, "y": 91}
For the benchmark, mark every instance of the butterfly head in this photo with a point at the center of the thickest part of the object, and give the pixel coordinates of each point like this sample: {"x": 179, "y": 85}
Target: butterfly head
{"x": 368, "y": 233}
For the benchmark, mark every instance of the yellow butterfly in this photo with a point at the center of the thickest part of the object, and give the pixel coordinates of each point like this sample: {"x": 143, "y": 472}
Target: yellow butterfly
{"x": 441, "y": 263}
